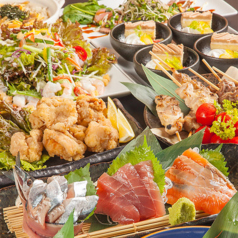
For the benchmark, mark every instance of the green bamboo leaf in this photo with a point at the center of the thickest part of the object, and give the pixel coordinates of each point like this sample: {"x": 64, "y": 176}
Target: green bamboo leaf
{"x": 164, "y": 86}
{"x": 168, "y": 155}
{"x": 226, "y": 223}
{"x": 144, "y": 94}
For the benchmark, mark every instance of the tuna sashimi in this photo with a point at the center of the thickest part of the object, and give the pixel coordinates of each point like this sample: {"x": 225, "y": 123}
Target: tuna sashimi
{"x": 141, "y": 198}
{"x": 146, "y": 173}
{"x": 198, "y": 180}
{"x": 115, "y": 200}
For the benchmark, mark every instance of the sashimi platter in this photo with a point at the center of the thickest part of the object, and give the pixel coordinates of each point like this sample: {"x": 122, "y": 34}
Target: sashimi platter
{"x": 79, "y": 163}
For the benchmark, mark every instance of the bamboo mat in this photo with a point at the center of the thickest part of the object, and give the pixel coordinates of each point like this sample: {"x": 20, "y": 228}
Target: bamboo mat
{"x": 13, "y": 217}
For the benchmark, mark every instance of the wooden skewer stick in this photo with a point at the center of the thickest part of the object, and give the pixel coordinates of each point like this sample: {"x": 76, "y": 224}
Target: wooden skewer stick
{"x": 190, "y": 133}
{"x": 211, "y": 69}
{"x": 204, "y": 79}
{"x": 160, "y": 60}
{"x": 224, "y": 74}
{"x": 168, "y": 74}
{"x": 177, "y": 134}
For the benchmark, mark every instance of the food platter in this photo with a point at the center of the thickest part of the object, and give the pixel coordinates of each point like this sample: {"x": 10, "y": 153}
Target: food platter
{"x": 56, "y": 165}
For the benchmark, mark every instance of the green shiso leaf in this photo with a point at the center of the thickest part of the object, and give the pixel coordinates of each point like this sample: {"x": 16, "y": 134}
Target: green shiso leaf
{"x": 68, "y": 229}
{"x": 137, "y": 155}
{"x": 226, "y": 223}
{"x": 144, "y": 94}
{"x": 168, "y": 155}
{"x": 7, "y": 161}
{"x": 82, "y": 174}
{"x": 163, "y": 86}
{"x": 216, "y": 158}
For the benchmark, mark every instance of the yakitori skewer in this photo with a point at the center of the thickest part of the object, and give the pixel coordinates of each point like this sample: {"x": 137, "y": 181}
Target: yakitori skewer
{"x": 190, "y": 133}
{"x": 178, "y": 136}
{"x": 224, "y": 74}
{"x": 204, "y": 79}
{"x": 211, "y": 69}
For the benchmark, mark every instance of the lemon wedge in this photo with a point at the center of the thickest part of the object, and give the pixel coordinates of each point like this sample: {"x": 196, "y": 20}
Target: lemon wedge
{"x": 125, "y": 131}
{"x": 229, "y": 54}
{"x": 112, "y": 112}
{"x": 145, "y": 38}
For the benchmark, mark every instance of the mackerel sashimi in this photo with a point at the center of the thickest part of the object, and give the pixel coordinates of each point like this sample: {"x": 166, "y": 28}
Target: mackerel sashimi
{"x": 130, "y": 195}
{"x": 198, "y": 180}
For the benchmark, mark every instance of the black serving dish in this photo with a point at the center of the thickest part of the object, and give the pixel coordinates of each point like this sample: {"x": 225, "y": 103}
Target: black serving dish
{"x": 57, "y": 166}
{"x": 190, "y": 60}
{"x": 127, "y": 51}
{"x": 202, "y": 46}
{"x": 219, "y": 24}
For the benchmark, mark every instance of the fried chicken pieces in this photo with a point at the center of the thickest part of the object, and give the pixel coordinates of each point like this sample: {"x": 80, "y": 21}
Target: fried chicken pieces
{"x": 66, "y": 129}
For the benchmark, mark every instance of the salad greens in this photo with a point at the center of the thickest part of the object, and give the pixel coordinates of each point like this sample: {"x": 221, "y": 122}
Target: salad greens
{"x": 82, "y": 12}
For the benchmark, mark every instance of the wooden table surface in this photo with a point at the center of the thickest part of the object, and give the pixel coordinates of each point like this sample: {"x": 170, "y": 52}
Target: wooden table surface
{"x": 132, "y": 105}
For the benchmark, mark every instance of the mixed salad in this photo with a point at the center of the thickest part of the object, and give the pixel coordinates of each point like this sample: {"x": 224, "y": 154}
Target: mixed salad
{"x": 51, "y": 60}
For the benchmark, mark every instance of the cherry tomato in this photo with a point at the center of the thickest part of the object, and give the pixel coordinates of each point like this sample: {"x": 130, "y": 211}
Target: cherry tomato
{"x": 207, "y": 134}
{"x": 206, "y": 114}
{"x": 224, "y": 117}
{"x": 236, "y": 126}
{"x": 234, "y": 140}
{"x": 217, "y": 139}
{"x": 81, "y": 52}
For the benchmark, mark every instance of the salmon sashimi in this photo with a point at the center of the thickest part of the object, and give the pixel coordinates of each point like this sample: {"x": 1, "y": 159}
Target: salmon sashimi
{"x": 142, "y": 200}
{"x": 198, "y": 180}
{"x": 116, "y": 200}
{"x": 146, "y": 173}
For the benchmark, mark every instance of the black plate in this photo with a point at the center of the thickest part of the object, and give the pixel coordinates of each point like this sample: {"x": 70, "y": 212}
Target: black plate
{"x": 202, "y": 46}
{"x": 8, "y": 195}
{"x": 127, "y": 51}
{"x": 153, "y": 121}
{"x": 219, "y": 24}
{"x": 190, "y": 60}
{"x": 56, "y": 165}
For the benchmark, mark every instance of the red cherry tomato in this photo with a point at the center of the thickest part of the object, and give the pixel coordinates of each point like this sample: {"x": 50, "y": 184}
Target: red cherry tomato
{"x": 217, "y": 139}
{"x": 224, "y": 117}
{"x": 206, "y": 114}
{"x": 207, "y": 134}
{"x": 234, "y": 140}
{"x": 81, "y": 52}
{"x": 236, "y": 126}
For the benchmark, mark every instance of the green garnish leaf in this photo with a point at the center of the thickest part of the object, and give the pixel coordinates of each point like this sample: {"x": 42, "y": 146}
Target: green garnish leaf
{"x": 216, "y": 158}
{"x": 82, "y": 174}
{"x": 225, "y": 130}
{"x": 7, "y": 161}
{"x": 68, "y": 229}
{"x": 35, "y": 165}
{"x": 226, "y": 224}
{"x": 137, "y": 155}
{"x": 164, "y": 86}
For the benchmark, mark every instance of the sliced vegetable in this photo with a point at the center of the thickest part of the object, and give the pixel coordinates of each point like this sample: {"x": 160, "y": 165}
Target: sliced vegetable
{"x": 49, "y": 64}
{"x": 81, "y": 52}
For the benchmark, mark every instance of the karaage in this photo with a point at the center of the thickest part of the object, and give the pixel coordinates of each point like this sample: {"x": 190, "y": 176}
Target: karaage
{"x": 89, "y": 109}
{"x": 54, "y": 113}
{"x": 62, "y": 145}
{"x": 101, "y": 136}
{"x": 29, "y": 146}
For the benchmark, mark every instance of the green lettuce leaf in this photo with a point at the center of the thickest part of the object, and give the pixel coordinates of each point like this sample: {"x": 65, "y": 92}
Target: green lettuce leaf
{"x": 216, "y": 158}
{"x": 137, "y": 155}
{"x": 7, "y": 161}
{"x": 27, "y": 59}
{"x": 35, "y": 165}
{"x": 226, "y": 223}
{"x": 82, "y": 174}
{"x": 12, "y": 90}
{"x": 68, "y": 229}
{"x": 82, "y": 12}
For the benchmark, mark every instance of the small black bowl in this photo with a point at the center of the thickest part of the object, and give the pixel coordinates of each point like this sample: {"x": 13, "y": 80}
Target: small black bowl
{"x": 127, "y": 51}
{"x": 219, "y": 24}
{"x": 190, "y": 60}
{"x": 202, "y": 46}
